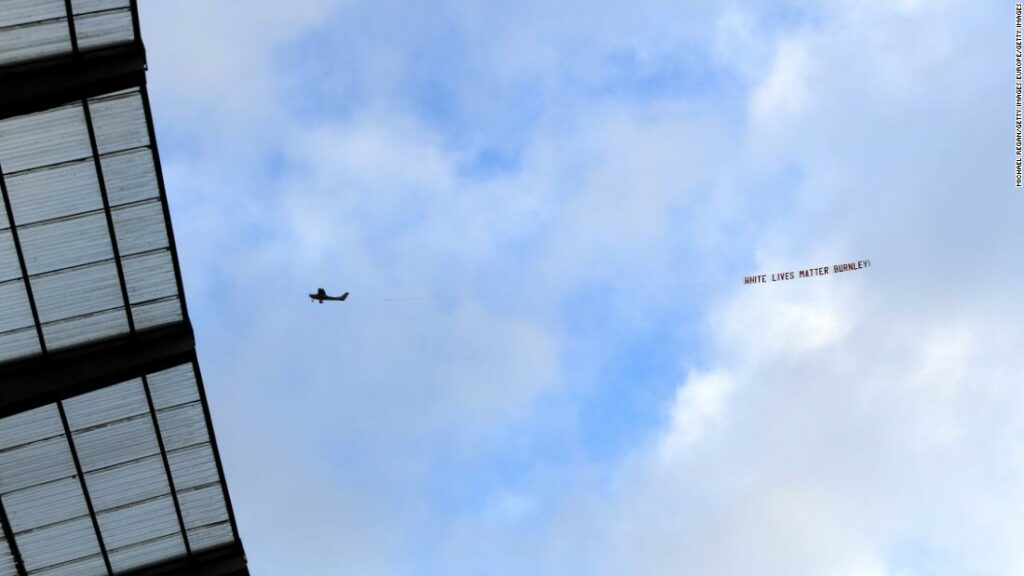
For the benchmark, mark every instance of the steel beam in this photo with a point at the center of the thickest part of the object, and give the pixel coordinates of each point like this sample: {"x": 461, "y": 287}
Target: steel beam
{"x": 167, "y": 465}
{"x": 226, "y": 560}
{"x": 216, "y": 450}
{"x": 85, "y": 489}
{"x": 38, "y": 380}
{"x": 21, "y": 262}
{"x": 98, "y": 165}
{"x": 19, "y": 565}
{"x": 44, "y": 84}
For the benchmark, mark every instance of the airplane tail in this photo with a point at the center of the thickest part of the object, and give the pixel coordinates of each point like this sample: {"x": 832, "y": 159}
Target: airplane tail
{"x": 343, "y": 296}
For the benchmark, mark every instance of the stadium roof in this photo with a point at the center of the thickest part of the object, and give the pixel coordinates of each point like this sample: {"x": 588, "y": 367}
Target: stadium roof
{"x": 89, "y": 227}
{"x": 36, "y": 29}
{"x": 108, "y": 460}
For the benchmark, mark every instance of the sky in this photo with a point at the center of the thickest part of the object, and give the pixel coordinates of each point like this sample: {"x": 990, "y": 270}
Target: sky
{"x": 544, "y": 211}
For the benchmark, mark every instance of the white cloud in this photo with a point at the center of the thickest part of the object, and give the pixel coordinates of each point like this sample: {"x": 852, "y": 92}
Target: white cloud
{"x": 782, "y": 95}
{"x": 698, "y": 404}
{"x": 853, "y": 425}
{"x": 216, "y": 62}
{"x": 839, "y": 462}
{"x": 784, "y": 320}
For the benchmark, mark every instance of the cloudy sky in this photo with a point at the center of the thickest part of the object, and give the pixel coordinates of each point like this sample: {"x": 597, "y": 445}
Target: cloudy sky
{"x": 544, "y": 211}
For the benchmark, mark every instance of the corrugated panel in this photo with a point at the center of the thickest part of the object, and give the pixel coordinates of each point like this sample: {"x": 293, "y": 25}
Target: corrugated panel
{"x": 14, "y": 307}
{"x": 63, "y": 190}
{"x": 86, "y": 6}
{"x": 44, "y": 138}
{"x": 104, "y": 29}
{"x": 24, "y": 43}
{"x": 4, "y": 224}
{"x": 203, "y": 507}
{"x": 157, "y": 313}
{"x": 137, "y": 523}
{"x": 108, "y": 404}
{"x": 65, "y": 243}
{"x": 35, "y": 463}
{"x": 173, "y": 387}
{"x": 182, "y": 426}
{"x": 15, "y": 12}
{"x": 130, "y": 176}
{"x": 30, "y": 426}
{"x": 147, "y": 553}
{"x": 127, "y": 483}
{"x": 116, "y": 443}
{"x": 191, "y": 467}
{"x": 7, "y": 567}
{"x": 19, "y": 343}
{"x": 210, "y": 536}
{"x": 77, "y": 292}
{"x": 91, "y": 566}
{"x": 140, "y": 228}
{"x": 9, "y": 266}
{"x": 120, "y": 122}
{"x": 45, "y": 504}
{"x": 85, "y": 328}
{"x": 77, "y": 540}
{"x": 149, "y": 276}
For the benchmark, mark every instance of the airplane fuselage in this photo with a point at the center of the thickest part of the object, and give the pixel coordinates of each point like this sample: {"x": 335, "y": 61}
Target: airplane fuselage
{"x": 322, "y": 295}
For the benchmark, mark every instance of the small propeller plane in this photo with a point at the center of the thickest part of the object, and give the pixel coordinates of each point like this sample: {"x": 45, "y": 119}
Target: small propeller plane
{"x": 321, "y": 295}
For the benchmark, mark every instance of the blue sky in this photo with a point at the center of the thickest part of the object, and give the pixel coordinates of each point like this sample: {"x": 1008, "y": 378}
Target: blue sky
{"x": 548, "y": 364}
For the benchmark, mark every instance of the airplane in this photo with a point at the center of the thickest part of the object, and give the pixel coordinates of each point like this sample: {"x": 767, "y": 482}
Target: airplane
{"x": 321, "y": 295}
